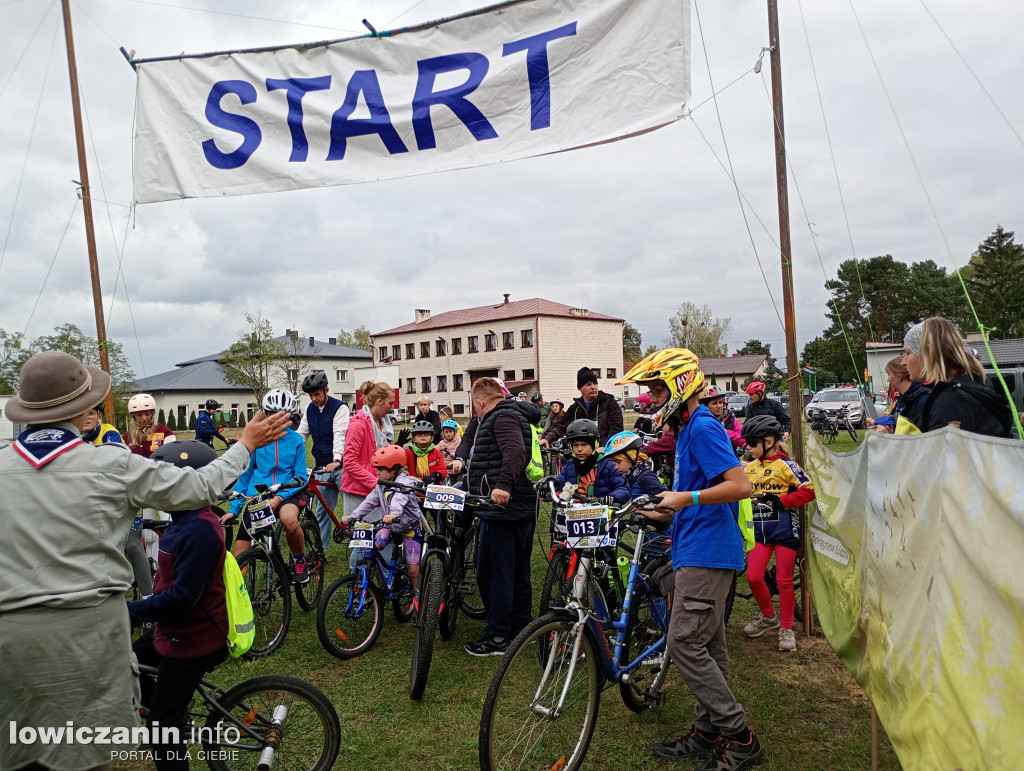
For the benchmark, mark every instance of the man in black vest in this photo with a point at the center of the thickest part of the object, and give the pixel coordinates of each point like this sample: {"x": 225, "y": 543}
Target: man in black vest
{"x": 498, "y": 470}
{"x": 326, "y": 420}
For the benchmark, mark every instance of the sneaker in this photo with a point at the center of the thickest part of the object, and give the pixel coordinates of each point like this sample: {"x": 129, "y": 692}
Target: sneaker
{"x": 487, "y": 646}
{"x": 299, "y": 573}
{"x": 760, "y": 625}
{"x": 733, "y": 755}
{"x": 695, "y": 744}
{"x": 787, "y": 640}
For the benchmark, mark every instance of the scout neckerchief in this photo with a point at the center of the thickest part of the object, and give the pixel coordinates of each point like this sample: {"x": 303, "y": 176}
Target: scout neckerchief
{"x": 41, "y": 445}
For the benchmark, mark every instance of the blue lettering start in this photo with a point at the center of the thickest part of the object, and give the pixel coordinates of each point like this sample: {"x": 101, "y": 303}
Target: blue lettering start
{"x": 366, "y": 84}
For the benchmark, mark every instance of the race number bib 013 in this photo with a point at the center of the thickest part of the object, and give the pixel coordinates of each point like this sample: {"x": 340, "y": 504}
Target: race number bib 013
{"x": 362, "y": 537}
{"x": 261, "y": 518}
{"x": 587, "y": 527}
{"x": 442, "y": 497}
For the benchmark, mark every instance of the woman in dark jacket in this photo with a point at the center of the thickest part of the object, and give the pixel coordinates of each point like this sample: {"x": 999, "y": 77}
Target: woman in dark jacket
{"x": 935, "y": 353}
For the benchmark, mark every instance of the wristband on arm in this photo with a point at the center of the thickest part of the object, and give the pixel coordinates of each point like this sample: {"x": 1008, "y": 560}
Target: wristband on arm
{"x": 696, "y": 497}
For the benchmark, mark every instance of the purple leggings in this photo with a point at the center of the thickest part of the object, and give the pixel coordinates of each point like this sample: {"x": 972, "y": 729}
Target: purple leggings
{"x": 412, "y": 546}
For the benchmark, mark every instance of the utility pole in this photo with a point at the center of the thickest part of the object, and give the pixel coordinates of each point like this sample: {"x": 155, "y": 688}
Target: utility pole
{"x": 83, "y": 173}
{"x": 796, "y": 401}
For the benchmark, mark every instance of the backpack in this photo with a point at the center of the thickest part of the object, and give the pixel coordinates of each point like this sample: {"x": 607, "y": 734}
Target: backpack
{"x": 535, "y": 463}
{"x": 745, "y": 520}
{"x": 241, "y": 621}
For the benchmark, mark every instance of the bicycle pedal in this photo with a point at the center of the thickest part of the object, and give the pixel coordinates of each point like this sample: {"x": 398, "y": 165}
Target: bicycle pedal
{"x": 653, "y": 701}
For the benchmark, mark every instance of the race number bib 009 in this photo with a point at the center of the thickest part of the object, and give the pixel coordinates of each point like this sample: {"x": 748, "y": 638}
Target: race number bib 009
{"x": 587, "y": 527}
{"x": 362, "y": 537}
{"x": 442, "y": 497}
{"x": 261, "y": 518}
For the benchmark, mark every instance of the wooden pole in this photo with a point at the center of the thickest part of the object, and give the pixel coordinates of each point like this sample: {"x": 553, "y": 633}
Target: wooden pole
{"x": 796, "y": 401}
{"x": 83, "y": 173}
{"x": 874, "y": 738}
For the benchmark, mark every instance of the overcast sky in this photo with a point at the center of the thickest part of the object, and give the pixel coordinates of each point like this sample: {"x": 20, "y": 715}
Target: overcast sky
{"x": 630, "y": 229}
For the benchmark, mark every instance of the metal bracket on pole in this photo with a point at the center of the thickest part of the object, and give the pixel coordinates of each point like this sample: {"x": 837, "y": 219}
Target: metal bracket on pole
{"x": 130, "y": 56}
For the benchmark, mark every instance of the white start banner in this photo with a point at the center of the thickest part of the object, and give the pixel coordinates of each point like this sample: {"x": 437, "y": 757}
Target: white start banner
{"x": 517, "y": 80}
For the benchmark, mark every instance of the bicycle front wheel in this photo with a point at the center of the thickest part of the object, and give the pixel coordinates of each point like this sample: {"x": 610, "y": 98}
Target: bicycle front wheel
{"x": 310, "y": 738}
{"x": 270, "y": 591}
{"x": 452, "y": 598}
{"x": 349, "y": 619}
{"x": 522, "y": 725}
{"x": 308, "y": 594}
{"x": 556, "y": 581}
{"x": 646, "y": 624}
{"x": 431, "y": 591}
{"x": 472, "y": 603}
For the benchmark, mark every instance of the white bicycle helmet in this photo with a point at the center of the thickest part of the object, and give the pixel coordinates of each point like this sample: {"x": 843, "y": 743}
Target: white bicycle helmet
{"x": 141, "y": 403}
{"x": 279, "y": 400}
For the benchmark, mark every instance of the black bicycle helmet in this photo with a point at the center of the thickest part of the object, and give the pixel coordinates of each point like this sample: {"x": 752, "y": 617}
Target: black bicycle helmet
{"x": 536, "y": 398}
{"x": 760, "y": 426}
{"x": 422, "y": 427}
{"x": 185, "y": 454}
{"x": 314, "y": 382}
{"x": 583, "y": 430}
{"x": 212, "y": 404}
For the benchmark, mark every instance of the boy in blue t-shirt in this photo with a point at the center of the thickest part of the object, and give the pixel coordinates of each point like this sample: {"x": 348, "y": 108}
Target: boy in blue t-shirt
{"x": 707, "y": 550}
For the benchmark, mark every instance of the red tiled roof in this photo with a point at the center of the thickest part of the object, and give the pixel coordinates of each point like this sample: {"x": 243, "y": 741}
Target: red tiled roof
{"x": 729, "y": 365}
{"x": 501, "y": 311}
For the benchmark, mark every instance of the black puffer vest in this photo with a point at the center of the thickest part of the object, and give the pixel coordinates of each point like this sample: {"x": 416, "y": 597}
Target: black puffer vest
{"x": 485, "y": 465}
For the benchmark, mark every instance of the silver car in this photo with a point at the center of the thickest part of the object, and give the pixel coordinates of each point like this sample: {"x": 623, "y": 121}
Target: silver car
{"x": 836, "y": 399}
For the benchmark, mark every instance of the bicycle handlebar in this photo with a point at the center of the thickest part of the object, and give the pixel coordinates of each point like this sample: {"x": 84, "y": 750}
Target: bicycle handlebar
{"x": 268, "y": 492}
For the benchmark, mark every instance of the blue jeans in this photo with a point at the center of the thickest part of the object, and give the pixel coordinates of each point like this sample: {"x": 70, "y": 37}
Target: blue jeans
{"x": 331, "y": 497}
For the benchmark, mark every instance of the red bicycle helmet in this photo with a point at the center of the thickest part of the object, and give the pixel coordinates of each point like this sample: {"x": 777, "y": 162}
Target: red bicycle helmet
{"x": 757, "y": 387}
{"x": 388, "y": 456}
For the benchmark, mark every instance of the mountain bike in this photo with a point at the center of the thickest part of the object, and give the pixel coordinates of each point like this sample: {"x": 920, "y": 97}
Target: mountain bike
{"x": 350, "y": 616}
{"x": 265, "y": 722}
{"x": 542, "y": 704}
{"x": 825, "y": 425}
{"x": 555, "y": 455}
{"x": 846, "y": 423}
{"x": 265, "y": 570}
{"x": 443, "y": 579}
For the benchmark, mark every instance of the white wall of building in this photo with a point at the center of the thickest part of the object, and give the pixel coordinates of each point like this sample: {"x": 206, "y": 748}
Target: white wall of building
{"x": 566, "y": 344}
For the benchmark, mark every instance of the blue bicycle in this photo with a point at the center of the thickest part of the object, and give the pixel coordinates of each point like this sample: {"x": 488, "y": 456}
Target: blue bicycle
{"x": 542, "y": 704}
{"x": 350, "y": 615}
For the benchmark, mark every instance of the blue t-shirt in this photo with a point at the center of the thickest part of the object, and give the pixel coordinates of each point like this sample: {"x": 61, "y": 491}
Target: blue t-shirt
{"x": 707, "y": 535}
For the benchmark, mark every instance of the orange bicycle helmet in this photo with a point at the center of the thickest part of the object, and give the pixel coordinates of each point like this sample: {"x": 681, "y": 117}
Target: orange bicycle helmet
{"x": 678, "y": 369}
{"x": 388, "y": 456}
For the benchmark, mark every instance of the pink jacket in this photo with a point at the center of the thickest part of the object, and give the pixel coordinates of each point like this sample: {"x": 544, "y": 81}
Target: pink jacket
{"x": 736, "y": 434}
{"x": 448, "y": 449}
{"x": 357, "y": 475}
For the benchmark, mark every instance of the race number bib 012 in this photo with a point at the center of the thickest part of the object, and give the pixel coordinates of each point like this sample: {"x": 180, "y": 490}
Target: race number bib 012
{"x": 261, "y": 518}
{"x": 442, "y": 497}
{"x": 587, "y": 527}
{"x": 362, "y": 537}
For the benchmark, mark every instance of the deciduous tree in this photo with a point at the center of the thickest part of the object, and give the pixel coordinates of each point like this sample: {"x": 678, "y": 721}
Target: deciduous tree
{"x": 699, "y": 329}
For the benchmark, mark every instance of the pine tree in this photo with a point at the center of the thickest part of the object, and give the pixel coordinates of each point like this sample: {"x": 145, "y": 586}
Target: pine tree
{"x": 241, "y": 420}
{"x": 996, "y": 284}
{"x": 192, "y": 421}
{"x": 160, "y": 417}
{"x": 171, "y": 422}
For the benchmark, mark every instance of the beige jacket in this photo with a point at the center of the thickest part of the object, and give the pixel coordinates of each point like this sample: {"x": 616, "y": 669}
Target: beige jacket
{"x": 63, "y": 527}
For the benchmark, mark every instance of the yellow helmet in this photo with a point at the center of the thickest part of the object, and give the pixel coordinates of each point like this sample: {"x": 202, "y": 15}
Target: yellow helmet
{"x": 678, "y": 369}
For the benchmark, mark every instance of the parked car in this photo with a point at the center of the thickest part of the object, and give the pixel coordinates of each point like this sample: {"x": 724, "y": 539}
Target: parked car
{"x": 835, "y": 399}
{"x": 737, "y": 404}
{"x": 728, "y": 394}
{"x": 398, "y": 416}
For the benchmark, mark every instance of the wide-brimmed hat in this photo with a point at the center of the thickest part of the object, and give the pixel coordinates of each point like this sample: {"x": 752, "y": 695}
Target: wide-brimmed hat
{"x": 55, "y": 386}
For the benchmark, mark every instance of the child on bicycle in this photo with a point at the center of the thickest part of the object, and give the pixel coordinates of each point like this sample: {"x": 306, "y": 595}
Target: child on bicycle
{"x": 277, "y": 463}
{"x": 625, "y": 450}
{"x": 593, "y": 476}
{"x": 780, "y": 486}
{"x": 423, "y": 458}
{"x": 190, "y": 621}
{"x": 402, "y": 513}
{"x": 449, "y": 443}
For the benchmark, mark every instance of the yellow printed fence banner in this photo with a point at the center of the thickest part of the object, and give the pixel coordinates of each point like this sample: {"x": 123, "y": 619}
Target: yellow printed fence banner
{"x": 916, "y": 553}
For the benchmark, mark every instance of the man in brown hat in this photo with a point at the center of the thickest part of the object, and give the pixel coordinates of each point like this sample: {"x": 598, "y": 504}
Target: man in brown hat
{"x": 66, "y": 508}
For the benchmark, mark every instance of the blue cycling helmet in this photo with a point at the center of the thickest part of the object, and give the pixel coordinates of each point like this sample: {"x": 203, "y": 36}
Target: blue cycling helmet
{"x": 450, "y": 424}
{"x": 622, "y": 442}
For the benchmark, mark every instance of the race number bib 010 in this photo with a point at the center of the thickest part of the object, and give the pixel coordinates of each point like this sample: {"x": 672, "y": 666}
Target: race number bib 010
{"x": 261, "y": 518}
{"x": 442, "y": 497}
{"x": 362, "y": 537}
{"x": 587, "y": 527}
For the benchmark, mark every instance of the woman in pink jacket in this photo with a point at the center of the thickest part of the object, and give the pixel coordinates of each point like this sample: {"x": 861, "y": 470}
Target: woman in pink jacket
{"x": 369, "y": 429}
{"x": 712, "y": 398}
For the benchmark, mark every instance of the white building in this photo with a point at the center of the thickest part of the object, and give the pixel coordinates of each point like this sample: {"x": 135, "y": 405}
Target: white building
{"x": 533, "y": 345}
{"x": 186, "y": 388}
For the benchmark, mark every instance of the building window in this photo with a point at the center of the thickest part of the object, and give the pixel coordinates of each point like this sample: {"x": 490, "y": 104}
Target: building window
{"x": 293, "y": 375}
{"x": 442, "y": 383}
{"x": 410, "y": 385}
{"x": 250, "y": 409}
{"x": 456, "y": 382}
{"x": 410, "y": 350}
{"x": 510, "y": 374}
{"x": 508, "y": 341}
{"x": 234, "y": 413}
{"x": 527, "y": 338}
{"x": 596, "y": 371}
{"x": 425, "y": 382}
{"x": 440, "y": 347}
{"x": 396, "y": 353}
{"x": 425, "y": 349}
{"x": 382, "y": 352}
{"x": 460, "y": 409}
{"x": 456, "y": 346}
{"x": 474, "y": 344}
{"x": 490, "y": 342}
{"x": 610, "y": 373}
{"x": 528, "y": 374}
{"x": 341, "y": 375}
